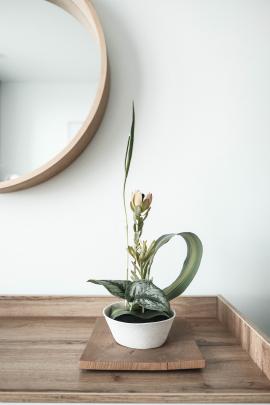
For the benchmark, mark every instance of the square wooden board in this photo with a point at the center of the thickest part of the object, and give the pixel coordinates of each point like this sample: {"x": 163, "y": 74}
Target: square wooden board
{"x": 180, "y": 352}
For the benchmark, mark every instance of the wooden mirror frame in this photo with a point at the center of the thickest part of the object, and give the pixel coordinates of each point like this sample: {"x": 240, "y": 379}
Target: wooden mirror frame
{"x": 85, "y": 13}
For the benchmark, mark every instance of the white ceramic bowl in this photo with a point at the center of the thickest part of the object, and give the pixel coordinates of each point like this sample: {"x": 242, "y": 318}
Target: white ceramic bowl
{"x": 139, "y": 335}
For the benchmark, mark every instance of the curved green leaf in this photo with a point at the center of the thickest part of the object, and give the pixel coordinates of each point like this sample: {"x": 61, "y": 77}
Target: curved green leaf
{"x": 115, "y": 287}
{"x": 190, "y": 266}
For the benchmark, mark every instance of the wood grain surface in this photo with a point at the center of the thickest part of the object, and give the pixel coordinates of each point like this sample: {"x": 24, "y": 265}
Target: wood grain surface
{"x": 39, "y": 362}
{"x": 91, "y": 306}
{"x": 180, "y": 352}
{"x": 251, "y": 338}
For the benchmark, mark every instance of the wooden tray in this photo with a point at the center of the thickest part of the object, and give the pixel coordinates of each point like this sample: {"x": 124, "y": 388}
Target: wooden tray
{"x": 42, "y": 338}
{"x": 180, "y": 352}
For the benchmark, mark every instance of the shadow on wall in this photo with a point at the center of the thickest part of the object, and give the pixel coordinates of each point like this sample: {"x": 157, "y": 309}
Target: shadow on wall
{"x": 257, "y": 309}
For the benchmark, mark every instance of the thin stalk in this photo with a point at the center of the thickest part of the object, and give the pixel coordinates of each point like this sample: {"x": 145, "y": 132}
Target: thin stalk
{"x": 126, "y": 220}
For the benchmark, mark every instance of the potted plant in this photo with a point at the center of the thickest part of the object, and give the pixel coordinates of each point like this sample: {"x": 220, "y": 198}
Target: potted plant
{"x": 143, "y": 319}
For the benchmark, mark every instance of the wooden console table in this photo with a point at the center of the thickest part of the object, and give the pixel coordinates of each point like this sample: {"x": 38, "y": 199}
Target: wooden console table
{"x": 42, "y": 338}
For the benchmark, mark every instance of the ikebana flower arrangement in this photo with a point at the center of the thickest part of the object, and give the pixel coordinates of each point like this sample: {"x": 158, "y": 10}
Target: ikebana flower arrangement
{"x": 144, "y": 316}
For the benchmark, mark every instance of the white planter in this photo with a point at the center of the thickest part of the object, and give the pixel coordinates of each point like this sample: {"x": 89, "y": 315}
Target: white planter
{"x": 139, "y": 335}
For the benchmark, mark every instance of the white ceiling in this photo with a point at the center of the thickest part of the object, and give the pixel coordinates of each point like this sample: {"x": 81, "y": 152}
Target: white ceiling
{"x": 41, "y": 42}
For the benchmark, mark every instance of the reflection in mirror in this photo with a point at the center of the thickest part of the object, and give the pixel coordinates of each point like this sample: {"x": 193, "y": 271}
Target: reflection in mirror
{"x": 49, "y": 75}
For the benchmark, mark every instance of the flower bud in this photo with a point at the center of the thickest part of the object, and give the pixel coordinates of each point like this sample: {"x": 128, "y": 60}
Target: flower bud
{"x": 147, "y": 202}
{"x": 137, "y": 199}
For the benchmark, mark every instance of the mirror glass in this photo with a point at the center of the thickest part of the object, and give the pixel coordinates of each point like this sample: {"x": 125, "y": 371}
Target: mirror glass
{"x": 49, "y": 75}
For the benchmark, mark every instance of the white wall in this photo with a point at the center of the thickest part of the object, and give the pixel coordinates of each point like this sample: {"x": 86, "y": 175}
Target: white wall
{"x": 199, "y": 74}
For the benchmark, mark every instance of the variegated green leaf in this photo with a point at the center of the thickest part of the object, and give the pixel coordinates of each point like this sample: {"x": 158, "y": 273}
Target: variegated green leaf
{"x": 148, "y": 296}
{"x": 115, "y": 287}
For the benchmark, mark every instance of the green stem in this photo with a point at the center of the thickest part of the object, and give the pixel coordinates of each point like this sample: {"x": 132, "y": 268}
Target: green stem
{"x": 126, "y": 220}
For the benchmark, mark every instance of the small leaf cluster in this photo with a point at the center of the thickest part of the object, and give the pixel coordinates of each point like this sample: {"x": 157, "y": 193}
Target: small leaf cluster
{"x": 142, "y": 259}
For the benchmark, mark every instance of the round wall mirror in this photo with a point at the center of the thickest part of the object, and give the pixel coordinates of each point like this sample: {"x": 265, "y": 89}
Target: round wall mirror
{"x": 53, "y": 86}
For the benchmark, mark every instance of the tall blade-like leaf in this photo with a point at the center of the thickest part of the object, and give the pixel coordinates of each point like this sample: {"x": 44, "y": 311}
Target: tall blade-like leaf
{"x": 130, "y": 143}
{"x": 128, "y": 158}
{"x": 190, "y": 266}
{"x": 115, "y": 287}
